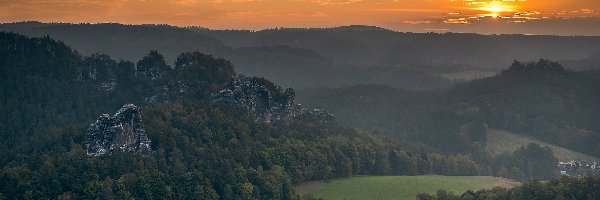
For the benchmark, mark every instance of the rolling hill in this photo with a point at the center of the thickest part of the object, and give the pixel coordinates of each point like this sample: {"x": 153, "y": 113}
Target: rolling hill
{"x": 500, "y": 141}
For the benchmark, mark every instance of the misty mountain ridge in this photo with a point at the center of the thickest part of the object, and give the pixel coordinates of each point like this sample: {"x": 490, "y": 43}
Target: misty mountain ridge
{"x": 323, "y": 57}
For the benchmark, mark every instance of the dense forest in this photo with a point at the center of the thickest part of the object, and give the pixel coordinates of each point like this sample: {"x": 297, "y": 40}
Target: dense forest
{"x": 51, "y": 93}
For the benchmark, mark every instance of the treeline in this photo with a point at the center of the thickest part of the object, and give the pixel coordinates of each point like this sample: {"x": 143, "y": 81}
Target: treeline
{"x": 580, "y": 188}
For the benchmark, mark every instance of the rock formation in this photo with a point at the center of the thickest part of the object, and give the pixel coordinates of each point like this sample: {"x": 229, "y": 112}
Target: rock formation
{"x": 123, "y": 131}
{"x": 269, "y": 102}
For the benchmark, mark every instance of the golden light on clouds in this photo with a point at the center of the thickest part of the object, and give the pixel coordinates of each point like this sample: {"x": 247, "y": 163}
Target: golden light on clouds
{"x": 413, "y": 15}
{"x": 511, "y": 11}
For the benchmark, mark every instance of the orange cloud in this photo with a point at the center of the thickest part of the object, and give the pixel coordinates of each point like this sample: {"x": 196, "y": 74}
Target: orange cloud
{"x": 259, "y": 14}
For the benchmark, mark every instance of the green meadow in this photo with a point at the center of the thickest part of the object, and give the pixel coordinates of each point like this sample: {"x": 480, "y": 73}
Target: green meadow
{"x": 396, "y": 187}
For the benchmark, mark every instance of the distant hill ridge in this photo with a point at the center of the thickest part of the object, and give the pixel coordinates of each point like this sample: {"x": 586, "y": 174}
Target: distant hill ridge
{"x": 355, "y": 54}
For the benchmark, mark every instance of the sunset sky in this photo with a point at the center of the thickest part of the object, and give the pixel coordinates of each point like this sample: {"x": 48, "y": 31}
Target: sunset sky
{"x": 562, "y": 17}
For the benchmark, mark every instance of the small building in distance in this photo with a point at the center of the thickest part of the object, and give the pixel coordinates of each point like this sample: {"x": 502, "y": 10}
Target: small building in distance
{"x": 576, "y": 168}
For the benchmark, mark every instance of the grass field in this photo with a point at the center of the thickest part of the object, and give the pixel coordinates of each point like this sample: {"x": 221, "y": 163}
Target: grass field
{"x": 467, "y": 75}
{"x": 397, "y": 187}
{"x": 499, "y": 141}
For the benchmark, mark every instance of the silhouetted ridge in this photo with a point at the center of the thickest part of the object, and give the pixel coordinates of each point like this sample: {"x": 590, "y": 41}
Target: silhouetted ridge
{"x": 540, "y": 66}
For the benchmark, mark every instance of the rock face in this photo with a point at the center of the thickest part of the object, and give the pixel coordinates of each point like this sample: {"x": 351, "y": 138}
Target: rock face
{"x": 269, "y": 102}
{"x": 123, "y": 131}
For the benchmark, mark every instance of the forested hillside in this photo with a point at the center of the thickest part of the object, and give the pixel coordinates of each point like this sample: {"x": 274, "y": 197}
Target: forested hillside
{"x": 51, "y": 94}
{"x": 540, "y": 98}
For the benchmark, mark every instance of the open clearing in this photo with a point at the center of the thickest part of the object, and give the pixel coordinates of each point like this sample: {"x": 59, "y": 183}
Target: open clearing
{"x": 397, "y": 187}
{"x": 500, "y": 141}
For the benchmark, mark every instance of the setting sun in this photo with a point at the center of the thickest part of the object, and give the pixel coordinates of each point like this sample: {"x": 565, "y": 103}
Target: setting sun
{"x": 495, "y": 8}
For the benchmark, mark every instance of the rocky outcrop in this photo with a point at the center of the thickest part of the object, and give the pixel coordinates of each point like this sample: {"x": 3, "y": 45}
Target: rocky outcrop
{"x": 122, "y": 132}
{"x": 269, "y": 102}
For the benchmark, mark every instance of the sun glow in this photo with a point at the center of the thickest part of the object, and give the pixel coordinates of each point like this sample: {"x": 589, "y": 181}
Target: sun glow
{"x": 495, "y": 8}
